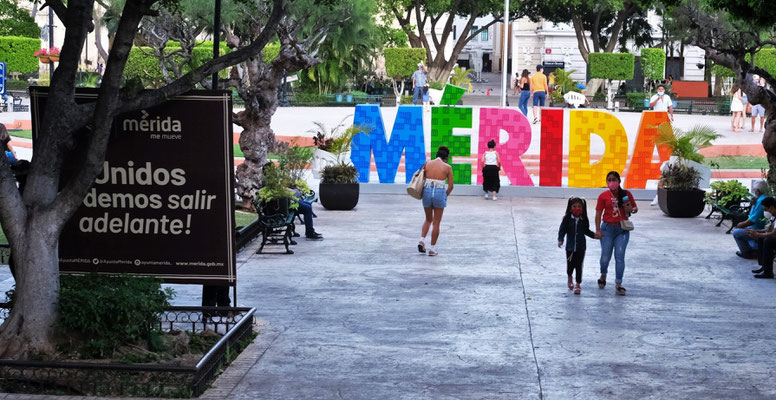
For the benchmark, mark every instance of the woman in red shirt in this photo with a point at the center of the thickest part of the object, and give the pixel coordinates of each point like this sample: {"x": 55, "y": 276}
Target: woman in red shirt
{"x": 614, "y": 205}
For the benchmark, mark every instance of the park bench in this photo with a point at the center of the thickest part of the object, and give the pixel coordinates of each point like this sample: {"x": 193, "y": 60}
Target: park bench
{"x": 277, "y": 224}
{"x": 683, "y": 106}
{"x": 736, "y": 213}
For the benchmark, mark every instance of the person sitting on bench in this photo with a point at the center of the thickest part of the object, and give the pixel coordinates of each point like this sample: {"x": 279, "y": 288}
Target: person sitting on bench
{"x": 767, "y": 240}
{"x": 746, "y": 245}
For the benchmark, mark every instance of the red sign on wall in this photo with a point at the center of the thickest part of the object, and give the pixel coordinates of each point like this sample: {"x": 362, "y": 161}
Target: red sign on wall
{"x": 547, "y": 51}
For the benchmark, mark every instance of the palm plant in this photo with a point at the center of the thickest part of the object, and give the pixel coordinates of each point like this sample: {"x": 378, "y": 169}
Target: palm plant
{"x": 683, "y": 144}
{"x": 563, "y": 80}
{"x": 347, "y": 50}
{"x": 460, "y": 78}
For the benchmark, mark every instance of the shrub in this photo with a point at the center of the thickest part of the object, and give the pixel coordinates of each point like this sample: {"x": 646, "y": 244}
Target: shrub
{"x": 109, "y": 311}
{"x": 17, "y": 52}
{"x": 294, "y": 160}
{"x": 679, "y": 176}
{"x": 635, "y": 99}
{"x": 653, "y": 63}
{"x": 617, "y": 66}
{"x": 339, "y": 173}
{"x": 403, "y": 61}
{"x": 722, "y": 71}
{"x": 436, "y": 85}
{"x": 309, "y": 98}
{"x": 143, "y": 65}
{"x": 727, "y": 193}
{"x": 406, "y": 99}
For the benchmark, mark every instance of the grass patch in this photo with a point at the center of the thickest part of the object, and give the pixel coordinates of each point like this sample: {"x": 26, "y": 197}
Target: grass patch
{"x": 24, "y": 134}
{"x": 737, "y": 162}
{"x": 238, "y": 153}
{"x": 242, "y": 218}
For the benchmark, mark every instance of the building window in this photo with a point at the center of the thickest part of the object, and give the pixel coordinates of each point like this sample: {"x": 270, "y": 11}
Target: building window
{"x": 484, "y": 35}
{"x": 474, "y": 29}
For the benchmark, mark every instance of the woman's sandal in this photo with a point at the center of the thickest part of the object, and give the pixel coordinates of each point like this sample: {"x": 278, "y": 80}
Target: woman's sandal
{"x": 620, "y": 291}
{"x": 577, "y": 290}
{"x": 571, "y": 286}
{"x": 421, "y": 247}
{"x": 601, "y": 284}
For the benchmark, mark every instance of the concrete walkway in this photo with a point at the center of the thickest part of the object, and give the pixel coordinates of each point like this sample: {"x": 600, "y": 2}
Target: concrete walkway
{"x": 362, "y": 315}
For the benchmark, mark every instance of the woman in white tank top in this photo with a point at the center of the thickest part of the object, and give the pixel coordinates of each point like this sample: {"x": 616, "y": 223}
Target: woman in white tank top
{"x": 491, "y": 165}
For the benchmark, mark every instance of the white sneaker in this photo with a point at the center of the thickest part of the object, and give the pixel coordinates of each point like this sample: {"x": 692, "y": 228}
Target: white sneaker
{"x": 494, "y": 197}
{"x": 432, "y": 252}
{"x": 486, "y": 196}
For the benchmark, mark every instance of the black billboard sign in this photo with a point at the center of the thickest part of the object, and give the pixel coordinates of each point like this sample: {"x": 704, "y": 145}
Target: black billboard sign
{"x": 163, "y": 205}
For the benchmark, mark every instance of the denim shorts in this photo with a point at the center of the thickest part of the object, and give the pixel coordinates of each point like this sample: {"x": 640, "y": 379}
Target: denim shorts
{"x": 434, "y": 197}
{"x": 758, "y": 110}
{"x": 538, "y": 98}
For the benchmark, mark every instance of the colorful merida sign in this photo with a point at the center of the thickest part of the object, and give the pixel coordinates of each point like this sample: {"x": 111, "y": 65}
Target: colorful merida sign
{"x": 407, "y": 138}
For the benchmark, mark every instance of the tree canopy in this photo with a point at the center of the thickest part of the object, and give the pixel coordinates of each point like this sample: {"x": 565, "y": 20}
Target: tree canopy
{"x": 16, "y": 21}
{"x": 437, "y": 16}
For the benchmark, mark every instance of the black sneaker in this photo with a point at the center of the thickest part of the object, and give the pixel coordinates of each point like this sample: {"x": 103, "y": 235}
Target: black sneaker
{"x": 764, "y": 276}
{"x": 314, "y": 236}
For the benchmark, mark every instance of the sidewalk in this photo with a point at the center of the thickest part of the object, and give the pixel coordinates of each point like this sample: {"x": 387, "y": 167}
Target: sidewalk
{"x": 363, "y": 315}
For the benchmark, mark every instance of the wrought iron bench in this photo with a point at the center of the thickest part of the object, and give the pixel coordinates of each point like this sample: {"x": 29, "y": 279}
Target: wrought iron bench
{"x": 734, "y": 212}
{"x": 276, "y": 222}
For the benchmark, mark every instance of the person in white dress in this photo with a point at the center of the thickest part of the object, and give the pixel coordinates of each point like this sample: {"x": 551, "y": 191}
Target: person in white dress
{"x": 736, "y": 107}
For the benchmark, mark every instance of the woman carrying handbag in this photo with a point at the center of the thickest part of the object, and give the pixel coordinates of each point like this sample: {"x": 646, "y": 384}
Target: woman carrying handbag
{"x": 435, "y": 197}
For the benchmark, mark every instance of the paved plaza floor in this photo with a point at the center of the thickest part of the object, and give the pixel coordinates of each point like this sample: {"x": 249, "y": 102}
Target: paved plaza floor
{"x": 363, "y": 315}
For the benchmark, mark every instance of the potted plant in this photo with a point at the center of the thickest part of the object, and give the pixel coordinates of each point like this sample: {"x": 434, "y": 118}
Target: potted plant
{"x": 460, "y": 77}
{"x": 275, "y": 197}
{"x": 53, "y": 54}
{"x": 339, "y": 187}
{"x": 42, "y": 55}
{"x": 678, "y": 193}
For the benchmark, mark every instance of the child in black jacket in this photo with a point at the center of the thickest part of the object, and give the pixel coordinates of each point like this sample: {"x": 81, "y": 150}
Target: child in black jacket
{"x": 575, "y": 226}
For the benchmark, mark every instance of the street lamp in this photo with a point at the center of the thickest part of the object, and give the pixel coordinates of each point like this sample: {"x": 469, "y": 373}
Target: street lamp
{"x": 504, "y": 55}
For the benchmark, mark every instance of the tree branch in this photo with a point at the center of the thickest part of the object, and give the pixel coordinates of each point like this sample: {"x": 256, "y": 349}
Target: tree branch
{"x": 69, "y": 198}
{"x": 186, "y": 82}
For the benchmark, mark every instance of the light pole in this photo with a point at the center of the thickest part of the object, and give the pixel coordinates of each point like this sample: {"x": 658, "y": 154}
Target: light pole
{"x": 51, "y": 41}
{"x": 504, "y": 55}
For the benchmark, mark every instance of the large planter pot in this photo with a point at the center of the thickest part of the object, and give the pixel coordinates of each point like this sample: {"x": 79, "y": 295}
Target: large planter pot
{"x": 681, "y": 203}
{"x": 338, "y": 196}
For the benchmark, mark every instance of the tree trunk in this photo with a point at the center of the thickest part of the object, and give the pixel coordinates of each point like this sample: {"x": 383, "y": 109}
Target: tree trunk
{"x": 257, "y": 138}
{"x": 717, "y": 85}
{"x": 29, "y": 327}
{"x": 593, "y": 86}
{"x": 255, "y": 141}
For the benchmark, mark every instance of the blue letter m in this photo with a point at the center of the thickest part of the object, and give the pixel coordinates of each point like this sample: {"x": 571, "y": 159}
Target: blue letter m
{"x": 407, "y": 136}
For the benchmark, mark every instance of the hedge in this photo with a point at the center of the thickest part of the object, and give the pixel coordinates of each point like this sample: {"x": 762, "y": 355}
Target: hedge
{"x": 17, "y": 52}
{"x": 403, "y": 61}
{"x": 653, "y": 63}
{"x": 617, "y": 66}
{"x": 722, "y": 71}
{"x": 143, "y": 65}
